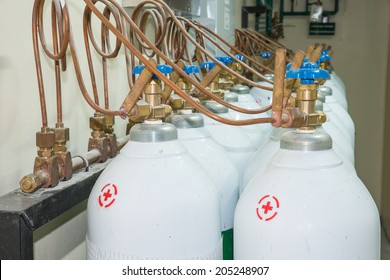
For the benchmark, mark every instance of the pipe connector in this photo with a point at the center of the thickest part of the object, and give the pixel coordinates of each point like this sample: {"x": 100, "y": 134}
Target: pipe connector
{"x": 61, "y": 152}
{"x": 98, "y": 138}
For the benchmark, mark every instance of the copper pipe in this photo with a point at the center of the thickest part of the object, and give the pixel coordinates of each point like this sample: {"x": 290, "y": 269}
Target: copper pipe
{"x": 60, "y": 21}
{"x": 231, "y": 47}
{"x": 165, "y": 79}
{"x": 174, "y": 78}
{"x": 309, "y": 50}
{"x": 289, "y": 85}
{"x": 277, "y": 97}
{"x": 174, "y": 66}
{"x": 316, "y": 54}
{"x": 136, "y": 91}
{"x": 79, "y": 162}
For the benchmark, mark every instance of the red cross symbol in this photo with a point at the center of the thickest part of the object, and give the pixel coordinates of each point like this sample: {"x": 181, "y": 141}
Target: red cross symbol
{"x": 107, "y": 195}
{"x": 268, "y": 208}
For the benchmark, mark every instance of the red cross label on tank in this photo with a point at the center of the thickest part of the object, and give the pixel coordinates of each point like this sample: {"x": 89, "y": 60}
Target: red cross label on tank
{"x": 107, "y": 195}
{"x": 267, "y": 208}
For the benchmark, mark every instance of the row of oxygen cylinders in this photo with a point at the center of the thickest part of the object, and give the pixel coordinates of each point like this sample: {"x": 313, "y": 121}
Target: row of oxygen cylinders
{"x": 195, "y": 188}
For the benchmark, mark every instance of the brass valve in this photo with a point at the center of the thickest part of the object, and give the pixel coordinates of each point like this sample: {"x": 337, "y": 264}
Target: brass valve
{"x": 60, "y": 150}
{"x": 45, "y": 173}
{"x": 303, "y": 115}
{"x": 175, "y": 101}
{"x": 98, "y": 138}
{"x": 214, "y": 85}
{"x": 111, "y": 136}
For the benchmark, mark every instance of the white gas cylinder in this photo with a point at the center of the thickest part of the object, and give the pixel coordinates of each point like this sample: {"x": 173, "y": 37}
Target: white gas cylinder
{"x": 199, "y": 143}
{"x": 262, "y": 156}
{"x": 343, "y": 141}
{"x": 338, "y": 93}
{"x": 338, "y": 109}
{"x": 305, "y": 204}
{"x": 257, "y": 133}
{"x": 154, "y": 201}
{"x": 261, "y": 96}
{"x": 232, "y": 138}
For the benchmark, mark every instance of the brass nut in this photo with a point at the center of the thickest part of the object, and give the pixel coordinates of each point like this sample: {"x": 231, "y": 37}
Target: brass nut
{"x": 110, "y": 120}
{"x": 176, "y": 102}
{"x": 64, "y": 165}
{"x": 61, "y": 135}
{"x": 97, "y": 122}
{"x": 140, "y": 112}
{"x": 45, "y": 139}
{"x": 100, "y": 144}
{"x": 30, "y": 182}
{"x": 316, "y": 119}
{"x": 113, "y": 145}
{"x": 158, "y": 112}
{"x": 45, "y": 153}
{"x": 295, "y": 118}
{"x": 168, "y": 110}
{"x": 47, "y": 168}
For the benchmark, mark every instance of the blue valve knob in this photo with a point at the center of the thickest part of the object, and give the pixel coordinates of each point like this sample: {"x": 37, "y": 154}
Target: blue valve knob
{"x": 265, "y": 54}
{"x": 240, "y": 57}
{"x": 324, "y": 57}
{"x": 308, "y": 73}
{"x": 288, "y": 66}
{"x": 207, "y": 65}
{"x": 164, "y": 69}
{"x": 190, "y": 69}
{"x": 225, "y": 59}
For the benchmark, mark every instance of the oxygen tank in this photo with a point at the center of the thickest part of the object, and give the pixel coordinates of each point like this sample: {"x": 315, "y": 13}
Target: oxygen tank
{"x": 343, "y": 114}
{"x": 305, "y": 204}
{"x": 210, "y": 155}
{"x": 154, "y": 201}
{"x": 232, "y": 138}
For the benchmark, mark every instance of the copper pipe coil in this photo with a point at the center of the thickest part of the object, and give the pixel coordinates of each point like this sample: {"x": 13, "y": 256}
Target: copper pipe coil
{"x": 162, "y": 77}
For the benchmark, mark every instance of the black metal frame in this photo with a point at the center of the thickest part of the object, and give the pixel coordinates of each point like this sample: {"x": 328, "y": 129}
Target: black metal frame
{"x": 21, "y": 213}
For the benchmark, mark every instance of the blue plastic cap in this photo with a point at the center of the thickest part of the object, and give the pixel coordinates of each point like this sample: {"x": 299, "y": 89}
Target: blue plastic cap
{"x": 265, "y": 54}
{"x": 240, "y": 57}
{"x": 324, "y": 57}
{"x": 190, "y": 69}
{"x": 324, "y": 52}
{"x": 164, "y": 69}
{"x": 308, "y": 73}
{"x": 208, "y": 65}
{"x": 288, "y": 66}
{"x": 225, "y": 59}
{"x": 138, "y": 69}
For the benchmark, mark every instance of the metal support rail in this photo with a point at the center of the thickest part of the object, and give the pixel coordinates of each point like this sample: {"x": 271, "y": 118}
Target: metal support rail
{"x": 21, "y": 213}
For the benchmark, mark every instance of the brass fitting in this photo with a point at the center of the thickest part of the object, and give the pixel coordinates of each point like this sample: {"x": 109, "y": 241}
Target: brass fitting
{"x": 176, "y": 102}
{"x": 64, "y": 157}
{"x": 32, "y": 182}
{"x": 98, "y": 138}
{"x": 303, "y": 116}
{"x": 306, "y": 98}
{"x": 111, "y": 137}
{"x": 298, "y": 119}
{"x": 46, "y": 169}
{"x": 140, "y": 112}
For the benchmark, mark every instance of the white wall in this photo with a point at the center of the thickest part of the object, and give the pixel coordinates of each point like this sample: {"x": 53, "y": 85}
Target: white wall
{"x": 21, "y": 119}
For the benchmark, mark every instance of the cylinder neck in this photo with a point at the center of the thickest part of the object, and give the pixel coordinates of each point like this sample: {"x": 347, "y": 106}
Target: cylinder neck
{"x": 302, "y": 140}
